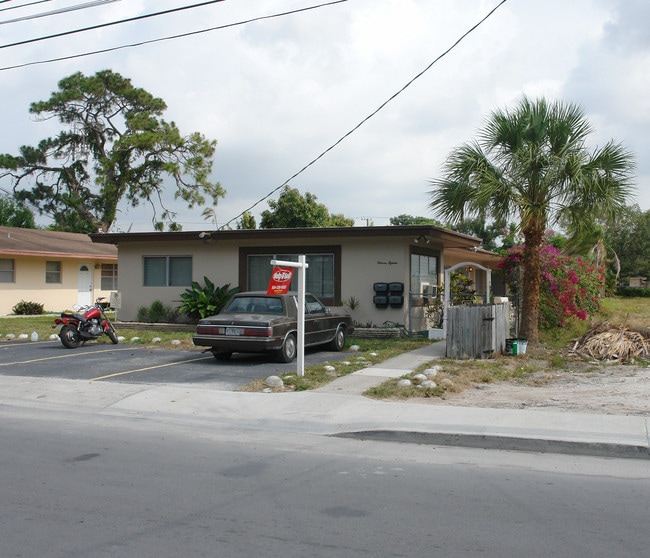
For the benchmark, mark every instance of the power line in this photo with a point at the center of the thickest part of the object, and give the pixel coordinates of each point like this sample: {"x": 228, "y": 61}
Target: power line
{"x": 172, "y": 37}
{"x": 21, "y": 5}
{"x": 58, "y": 11}
{"x": 109, "y": 24}
{"x": 373, "y": 113}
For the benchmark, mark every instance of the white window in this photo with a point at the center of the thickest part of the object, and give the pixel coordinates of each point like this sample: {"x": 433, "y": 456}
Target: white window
{"x": 7, "y": 271}
{"x": 53, "y": 272}
{"x": 109, "y": 277}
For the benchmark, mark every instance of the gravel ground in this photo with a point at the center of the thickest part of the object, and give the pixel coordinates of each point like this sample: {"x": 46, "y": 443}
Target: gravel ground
{"x": 609, "y": 389}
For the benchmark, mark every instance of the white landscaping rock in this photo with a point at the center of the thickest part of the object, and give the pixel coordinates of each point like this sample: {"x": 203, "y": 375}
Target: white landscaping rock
{"x": 404, "y": 383}
{"x": 156, "y": 340}
{"x": 53, "y": 337}
{"x": 355, "y": 348}
{"x": 23, "y": 336}
{"x": 419, "y": 378}
{"x": 175, "y": 342}
{"x": 428, "y": 384}
{"x": 274, "y": 382}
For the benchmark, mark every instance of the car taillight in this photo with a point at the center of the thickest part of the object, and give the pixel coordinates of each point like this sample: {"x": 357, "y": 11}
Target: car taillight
{"x": 210, "y": 330}
{"x": 257, "y": 331}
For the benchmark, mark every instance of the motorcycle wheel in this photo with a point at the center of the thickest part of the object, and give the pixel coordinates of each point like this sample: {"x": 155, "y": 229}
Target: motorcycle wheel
{"x": 112, "y": 335}
{"x": 70, "y": 337}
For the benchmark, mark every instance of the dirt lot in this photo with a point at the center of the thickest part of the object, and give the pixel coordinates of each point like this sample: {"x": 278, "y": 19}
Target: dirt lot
{"x": 609, "y": 389}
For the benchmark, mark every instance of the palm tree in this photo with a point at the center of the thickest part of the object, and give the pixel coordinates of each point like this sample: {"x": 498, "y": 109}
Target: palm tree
{"x": 531, "y": 164}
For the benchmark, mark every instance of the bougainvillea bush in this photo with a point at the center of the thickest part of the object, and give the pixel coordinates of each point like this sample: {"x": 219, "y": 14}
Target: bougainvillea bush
{"x": 570, "y": 286}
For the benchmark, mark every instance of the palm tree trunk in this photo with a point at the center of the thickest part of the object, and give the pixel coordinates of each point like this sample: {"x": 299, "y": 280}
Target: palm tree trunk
{"x": 533, "y": 237}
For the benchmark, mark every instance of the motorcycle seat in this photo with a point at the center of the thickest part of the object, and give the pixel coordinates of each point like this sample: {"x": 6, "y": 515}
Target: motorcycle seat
{"x": 72, "y": 315}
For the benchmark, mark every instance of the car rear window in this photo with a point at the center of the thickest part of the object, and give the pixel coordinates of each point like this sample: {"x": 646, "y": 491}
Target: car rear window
{"x": 256, "y": 305}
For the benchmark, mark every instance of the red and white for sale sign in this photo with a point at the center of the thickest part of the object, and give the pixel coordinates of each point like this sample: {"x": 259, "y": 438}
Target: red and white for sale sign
{"x": 280, "y": 280}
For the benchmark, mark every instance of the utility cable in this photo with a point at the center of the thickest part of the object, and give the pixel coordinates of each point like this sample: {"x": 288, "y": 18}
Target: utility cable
{"x": 21, "y": 5}
{"x": 59, "y": 11}
{"x": 171, "y": 37}
{"x": 373, "y": 113}
{"x": 109, "y": 24}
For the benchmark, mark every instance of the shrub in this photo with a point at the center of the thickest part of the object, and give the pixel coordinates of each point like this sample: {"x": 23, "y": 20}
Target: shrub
{"x": 570, "y": 286}
{"x": 158, "y": 313}
{"x": 633, "y": 292}
{"x": 24, "y": 308}
{"x": 200, "y": 302}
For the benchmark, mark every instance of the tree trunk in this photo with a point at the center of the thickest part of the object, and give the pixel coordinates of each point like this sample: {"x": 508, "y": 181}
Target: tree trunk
{"x": 532, "y": 278}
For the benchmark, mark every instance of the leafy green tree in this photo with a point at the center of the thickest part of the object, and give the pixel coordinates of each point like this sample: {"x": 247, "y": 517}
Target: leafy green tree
{"x": 114, "y": 145}
{"x": 14, "y": 214}
{"x": 247, "y": 221}
{"x": 531, "y": 164}
{"x": 629, "y": 239}
{"x": 405, "y": 220}
{"x": 292, "y": 210}
{"x": 495, "y": 236}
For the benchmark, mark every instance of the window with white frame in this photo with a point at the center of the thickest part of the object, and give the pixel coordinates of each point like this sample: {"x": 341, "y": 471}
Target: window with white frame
{"x": 53, "y": 272}
{"x": 109, "y": 277}
{"x": 167, "y": 271}
{"x": 7, "y": 271}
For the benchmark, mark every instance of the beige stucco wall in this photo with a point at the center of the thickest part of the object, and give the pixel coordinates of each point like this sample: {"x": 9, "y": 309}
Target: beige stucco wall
{"x": 29, "y": 284}
{"x": 364, "y": 261}
{"x": 218, "y": 262}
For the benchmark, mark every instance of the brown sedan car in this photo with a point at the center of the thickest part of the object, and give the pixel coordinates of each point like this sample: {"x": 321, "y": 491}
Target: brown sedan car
{"x": 254, "y": 322}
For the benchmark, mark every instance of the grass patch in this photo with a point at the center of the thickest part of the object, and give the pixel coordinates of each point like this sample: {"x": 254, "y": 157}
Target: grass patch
{"x": 17, "y": 325}
{"x": 453, "y": 376}
{"x": 542, "y": 363}
{"x": 371, "y": 352}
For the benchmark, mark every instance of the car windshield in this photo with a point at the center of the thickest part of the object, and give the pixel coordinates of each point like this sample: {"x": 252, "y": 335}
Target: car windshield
{"x": 255, "y": 305}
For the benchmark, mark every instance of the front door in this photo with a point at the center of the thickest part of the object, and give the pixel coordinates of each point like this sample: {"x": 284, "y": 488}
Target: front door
{"x": 85, "y": 285}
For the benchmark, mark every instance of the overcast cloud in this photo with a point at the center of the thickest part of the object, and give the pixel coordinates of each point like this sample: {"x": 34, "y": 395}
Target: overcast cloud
{"x": 276, "y": 93}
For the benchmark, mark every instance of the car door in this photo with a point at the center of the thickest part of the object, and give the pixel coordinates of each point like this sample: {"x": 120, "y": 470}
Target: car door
{"x": 316, "y": 321}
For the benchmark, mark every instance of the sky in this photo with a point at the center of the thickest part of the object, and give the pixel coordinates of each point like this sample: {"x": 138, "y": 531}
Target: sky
{"x": 278, "y": 92}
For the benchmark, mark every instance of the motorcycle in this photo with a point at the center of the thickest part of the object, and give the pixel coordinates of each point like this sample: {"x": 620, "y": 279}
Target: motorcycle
{"x": 87, "y": 323}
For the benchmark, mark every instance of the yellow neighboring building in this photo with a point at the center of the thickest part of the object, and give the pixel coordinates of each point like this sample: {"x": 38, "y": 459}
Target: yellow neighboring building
{"x": 55, "y": 269}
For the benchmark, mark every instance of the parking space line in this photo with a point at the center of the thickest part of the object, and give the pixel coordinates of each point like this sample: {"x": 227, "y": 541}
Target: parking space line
{"x": 130, "y": 348}
{"x": 149, "y": 368}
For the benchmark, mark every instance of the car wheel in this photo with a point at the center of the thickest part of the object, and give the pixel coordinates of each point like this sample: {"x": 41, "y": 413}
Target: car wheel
{"x": 338, "y": 342}
{"x": 288, "y": 351}
{"x": 222, "y": 355}
{"x": 70, "y": 337}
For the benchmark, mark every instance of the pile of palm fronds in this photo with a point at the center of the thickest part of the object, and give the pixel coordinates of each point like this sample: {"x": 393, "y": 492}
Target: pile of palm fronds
{"x": 614, "y": 343}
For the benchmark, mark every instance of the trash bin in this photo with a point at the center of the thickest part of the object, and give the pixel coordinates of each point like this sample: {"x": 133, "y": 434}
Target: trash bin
{"x": 522, "y": 344}
{"x": 509, "y": 343}
{"x": 515, "y": 347}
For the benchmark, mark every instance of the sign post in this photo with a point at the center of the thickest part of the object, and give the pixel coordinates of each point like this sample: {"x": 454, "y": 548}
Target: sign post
{"x": 302, "y": 265}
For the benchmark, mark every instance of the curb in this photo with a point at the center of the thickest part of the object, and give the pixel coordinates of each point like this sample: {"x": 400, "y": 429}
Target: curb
{"x": 508, "y": 443}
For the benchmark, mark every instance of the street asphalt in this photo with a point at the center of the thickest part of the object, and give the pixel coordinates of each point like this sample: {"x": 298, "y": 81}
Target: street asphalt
{"x": 339, "y": 409}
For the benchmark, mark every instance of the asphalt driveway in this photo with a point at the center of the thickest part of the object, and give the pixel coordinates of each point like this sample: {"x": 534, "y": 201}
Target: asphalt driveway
{"x": 142, "y": 364}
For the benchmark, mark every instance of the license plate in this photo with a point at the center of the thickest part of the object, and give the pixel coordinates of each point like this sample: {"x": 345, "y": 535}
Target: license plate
{"x": 233, "y": 331}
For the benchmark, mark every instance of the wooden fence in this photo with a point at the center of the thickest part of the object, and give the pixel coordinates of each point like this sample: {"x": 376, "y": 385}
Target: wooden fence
{"x": 477, "y": 331}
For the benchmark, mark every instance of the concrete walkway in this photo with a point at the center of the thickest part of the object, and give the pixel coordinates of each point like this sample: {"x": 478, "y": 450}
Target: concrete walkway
{"x": 339, "y": 409}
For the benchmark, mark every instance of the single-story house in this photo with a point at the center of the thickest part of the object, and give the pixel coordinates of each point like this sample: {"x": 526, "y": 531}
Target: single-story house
{"x": 55, "y": 269}
{"x": 389, "y": 272}
{"x": 636, "y": 282}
